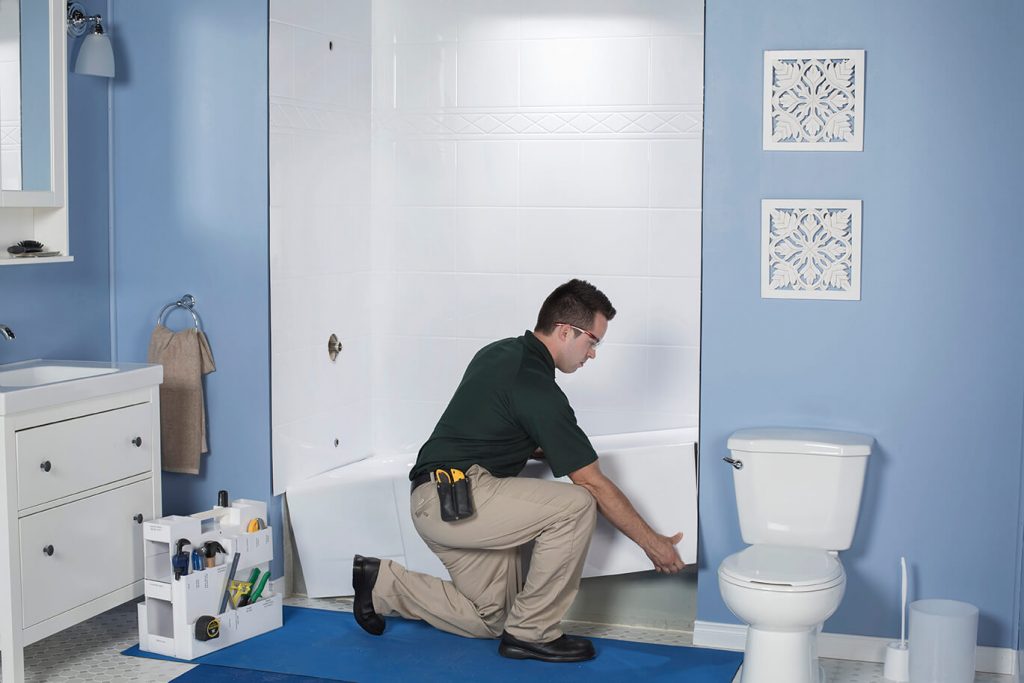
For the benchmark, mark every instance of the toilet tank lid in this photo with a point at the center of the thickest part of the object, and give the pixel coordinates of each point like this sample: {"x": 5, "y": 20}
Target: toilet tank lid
{"x": 806, "y": 441}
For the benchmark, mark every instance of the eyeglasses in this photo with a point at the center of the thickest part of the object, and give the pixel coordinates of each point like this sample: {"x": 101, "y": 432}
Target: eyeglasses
{"x": 595, "y": 340}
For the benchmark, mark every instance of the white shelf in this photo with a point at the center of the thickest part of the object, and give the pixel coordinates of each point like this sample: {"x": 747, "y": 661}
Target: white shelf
{"x": 7, "y": 261}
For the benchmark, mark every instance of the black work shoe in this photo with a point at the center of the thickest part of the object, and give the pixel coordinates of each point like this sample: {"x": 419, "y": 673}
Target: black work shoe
{"x": 563, "y": 649}
{"x": 364, "y": 576}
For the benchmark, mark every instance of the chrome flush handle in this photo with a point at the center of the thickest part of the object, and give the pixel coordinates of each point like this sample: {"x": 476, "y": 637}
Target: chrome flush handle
{"x": 738, "y": 464}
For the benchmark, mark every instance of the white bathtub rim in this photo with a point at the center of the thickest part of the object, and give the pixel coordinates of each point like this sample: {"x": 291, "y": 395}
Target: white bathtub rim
{"x": 602, "y": 443}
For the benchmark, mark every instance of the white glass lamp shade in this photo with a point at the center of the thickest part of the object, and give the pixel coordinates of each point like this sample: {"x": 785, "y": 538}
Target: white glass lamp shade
{"x": 96, "y": 56}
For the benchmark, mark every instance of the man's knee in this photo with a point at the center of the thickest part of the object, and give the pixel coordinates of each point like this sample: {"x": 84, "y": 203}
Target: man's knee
{"x": 493, "y": 618}
{"x": 583, "y": 504}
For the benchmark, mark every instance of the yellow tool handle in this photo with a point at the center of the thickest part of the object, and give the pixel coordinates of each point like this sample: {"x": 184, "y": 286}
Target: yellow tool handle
{"x": 439, "y": 473}
{"x": 457, "y": 475}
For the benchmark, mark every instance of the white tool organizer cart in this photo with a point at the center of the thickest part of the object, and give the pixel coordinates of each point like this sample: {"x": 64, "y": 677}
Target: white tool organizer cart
{"x": 167, "y": 618}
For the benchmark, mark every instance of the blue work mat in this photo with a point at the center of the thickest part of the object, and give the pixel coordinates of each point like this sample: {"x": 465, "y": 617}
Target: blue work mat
{"x": 206, "y": 673}
{"x": 325, "y": 644}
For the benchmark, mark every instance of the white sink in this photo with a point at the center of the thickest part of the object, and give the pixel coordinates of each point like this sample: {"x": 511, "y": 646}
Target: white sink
{"x": 47, "y": 374}
{"x": 34, "y": 384}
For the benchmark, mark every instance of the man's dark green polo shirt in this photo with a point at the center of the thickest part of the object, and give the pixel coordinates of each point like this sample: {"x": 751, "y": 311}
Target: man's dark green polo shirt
{"x": 506, "y": 406}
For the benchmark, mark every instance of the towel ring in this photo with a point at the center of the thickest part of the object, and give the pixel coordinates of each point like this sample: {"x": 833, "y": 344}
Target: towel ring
{"x": 187, "y": 302}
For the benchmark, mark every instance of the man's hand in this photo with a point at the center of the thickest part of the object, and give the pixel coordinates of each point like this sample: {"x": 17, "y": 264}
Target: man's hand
{"x": 538, "y": 454}
{"x": 663, "y": 554}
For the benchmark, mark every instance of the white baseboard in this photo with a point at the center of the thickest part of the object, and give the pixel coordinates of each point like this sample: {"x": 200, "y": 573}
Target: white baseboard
{"x": 719, "y": 636}
{"x": 996, "y": 660}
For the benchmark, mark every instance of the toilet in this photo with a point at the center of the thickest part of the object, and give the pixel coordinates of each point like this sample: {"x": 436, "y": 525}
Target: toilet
{"x": 798, "y": 495}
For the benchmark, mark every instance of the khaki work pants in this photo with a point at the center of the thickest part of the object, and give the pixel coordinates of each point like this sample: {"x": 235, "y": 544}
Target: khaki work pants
{"x": 486, "y": 593}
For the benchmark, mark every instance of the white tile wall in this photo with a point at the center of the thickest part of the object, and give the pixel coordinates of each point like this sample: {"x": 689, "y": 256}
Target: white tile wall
{"x": 320, "y": 234}
{"x": 425, "y": 75}
{"x": 675, "y": 243}
{"x": 423, "y": 239}
{"x": 599, "y": 241}
{"x": 487, "y": 173}
{"x": 515, "y": 144}
{"x": 488, "y": 73}
{"x": 585, "y": 71}
{"x": 485, "y": 306}
{"x": 424, "y": 172}
{"x": 673, "y": 76}
{"x": 486, "y": 240}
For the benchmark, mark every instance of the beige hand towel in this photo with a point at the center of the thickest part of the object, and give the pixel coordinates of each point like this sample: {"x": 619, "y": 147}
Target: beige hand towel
{"x": 186, "y": 357}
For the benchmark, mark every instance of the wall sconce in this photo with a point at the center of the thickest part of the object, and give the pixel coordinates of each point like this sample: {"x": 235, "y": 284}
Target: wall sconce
{"x": 96, "y": 55}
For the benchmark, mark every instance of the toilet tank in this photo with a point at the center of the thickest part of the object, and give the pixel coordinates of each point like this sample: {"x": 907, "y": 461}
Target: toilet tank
{"x": 799, "y": 487}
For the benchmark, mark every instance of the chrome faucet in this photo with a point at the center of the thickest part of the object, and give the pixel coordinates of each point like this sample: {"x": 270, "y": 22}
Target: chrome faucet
{"x": 6, "y": 332}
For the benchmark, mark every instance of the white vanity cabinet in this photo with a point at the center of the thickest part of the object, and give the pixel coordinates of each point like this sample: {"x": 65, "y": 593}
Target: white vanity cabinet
{"x": 79, "y": 480}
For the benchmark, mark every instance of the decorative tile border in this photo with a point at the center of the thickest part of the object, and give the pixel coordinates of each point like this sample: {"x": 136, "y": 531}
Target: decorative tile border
{"x": 810, "y": 249}
{"x": 10, "y": 136}
{"x": 814, "y": 100}
{"x": 307, "y": 118}
{"x": 454, "y": 124}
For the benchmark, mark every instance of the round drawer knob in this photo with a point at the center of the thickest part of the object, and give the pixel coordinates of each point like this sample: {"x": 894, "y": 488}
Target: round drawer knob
{"x": 45, "y": 466}
{"x": 48, "y": 550}
{"x": 138, "y": 518}
{"x": 137, "y": 441}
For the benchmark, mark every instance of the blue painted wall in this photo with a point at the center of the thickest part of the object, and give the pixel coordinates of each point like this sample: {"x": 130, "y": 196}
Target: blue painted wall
{"x": 62, "y": 310}
{"x": 930, "y": 361}
{"x": 190, "y": 216}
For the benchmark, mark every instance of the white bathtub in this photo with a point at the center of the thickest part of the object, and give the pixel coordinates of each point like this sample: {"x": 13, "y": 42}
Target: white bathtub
{"x": 364, "y": 508}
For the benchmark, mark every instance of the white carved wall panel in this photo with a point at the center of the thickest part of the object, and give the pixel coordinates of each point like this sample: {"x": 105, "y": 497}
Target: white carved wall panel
{"x": 814, "y": 100}
{"x": 810, "y": 249}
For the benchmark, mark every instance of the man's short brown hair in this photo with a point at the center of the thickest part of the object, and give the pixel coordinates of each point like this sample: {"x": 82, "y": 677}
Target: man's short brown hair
{"x": 576, "y": 303}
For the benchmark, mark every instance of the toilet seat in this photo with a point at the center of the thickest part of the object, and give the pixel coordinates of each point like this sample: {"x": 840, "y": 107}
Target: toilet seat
{"x": 782, "y": 569}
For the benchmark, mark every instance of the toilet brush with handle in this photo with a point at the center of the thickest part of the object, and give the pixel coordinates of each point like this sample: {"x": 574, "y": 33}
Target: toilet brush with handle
{"x": 897, "y": 655}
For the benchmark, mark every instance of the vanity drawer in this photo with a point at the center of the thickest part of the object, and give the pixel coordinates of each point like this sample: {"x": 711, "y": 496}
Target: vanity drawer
{"x": 59, "y": 459}
{"x": 96, "y": 547}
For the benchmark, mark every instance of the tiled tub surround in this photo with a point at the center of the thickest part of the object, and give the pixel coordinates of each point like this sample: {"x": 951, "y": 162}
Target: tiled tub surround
{"x": 320, "y": 226}
{"x": 516, "y": 145}
{"x": 513, "y": 145}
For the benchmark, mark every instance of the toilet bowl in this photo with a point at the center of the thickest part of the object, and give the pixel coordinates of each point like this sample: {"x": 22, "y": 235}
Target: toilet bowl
{"x": 798, "y": 496}
{"x": 783, "y": 594}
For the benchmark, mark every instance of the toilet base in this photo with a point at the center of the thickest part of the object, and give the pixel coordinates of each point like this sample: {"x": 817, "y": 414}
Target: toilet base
{"x": 773, "y": 656}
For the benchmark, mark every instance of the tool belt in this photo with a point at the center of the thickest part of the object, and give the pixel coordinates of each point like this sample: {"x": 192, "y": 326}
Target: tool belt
{"x": 453, "y": 493}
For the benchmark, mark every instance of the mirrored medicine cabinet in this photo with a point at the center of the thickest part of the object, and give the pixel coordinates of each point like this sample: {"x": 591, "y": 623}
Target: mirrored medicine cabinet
{"x": 33, "y": 125}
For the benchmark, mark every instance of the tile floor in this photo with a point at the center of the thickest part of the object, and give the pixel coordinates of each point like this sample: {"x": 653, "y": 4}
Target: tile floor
{"x": 90, "y": 651}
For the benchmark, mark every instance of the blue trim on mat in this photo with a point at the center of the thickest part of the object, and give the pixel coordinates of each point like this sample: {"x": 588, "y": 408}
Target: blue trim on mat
{"x": 207, "y": 673}
{"x": 329, "y": 645}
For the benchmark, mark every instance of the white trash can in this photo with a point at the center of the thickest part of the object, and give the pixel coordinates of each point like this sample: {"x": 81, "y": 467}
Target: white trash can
{"x": 943, "y": 640}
